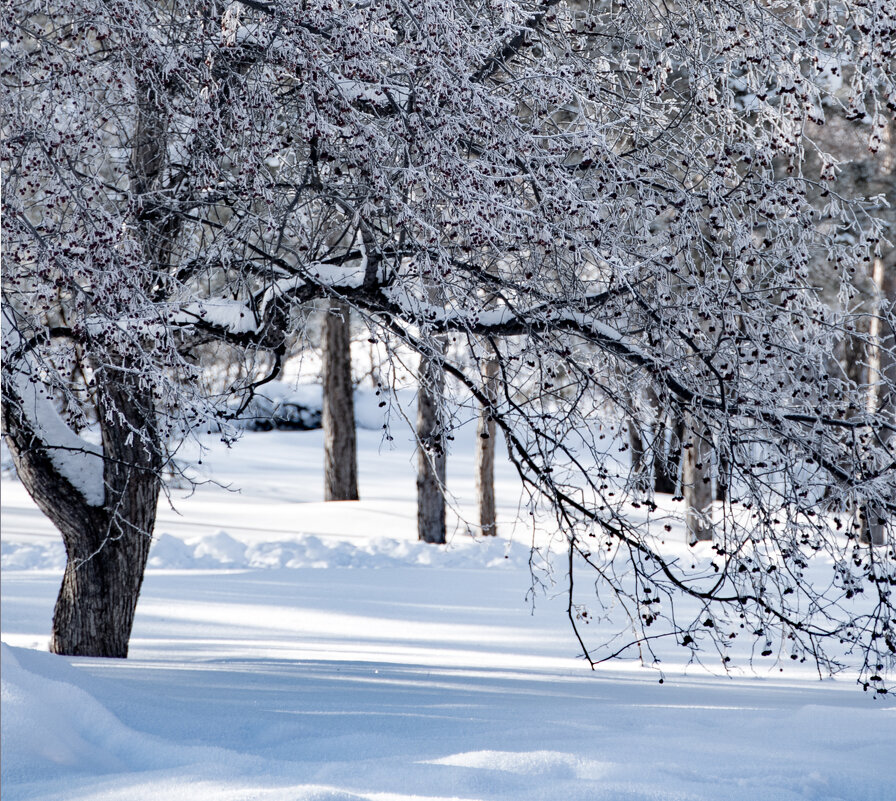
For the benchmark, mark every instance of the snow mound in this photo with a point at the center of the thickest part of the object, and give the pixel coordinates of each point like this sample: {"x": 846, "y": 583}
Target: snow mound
{"x": 312, "y": 793}
{"x": 32, "y": 556}
{"x": 52, "y": 727}
{"x": 545, "y": 764}
{"x": 221, "y": 551}
{"x": 278, "y": 406}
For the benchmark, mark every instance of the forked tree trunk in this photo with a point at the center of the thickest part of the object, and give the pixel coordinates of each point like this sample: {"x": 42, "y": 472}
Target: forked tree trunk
{"x": 696, "y": 482}
{"x": 485, "y": 452}
{"x": 338, "y": 418}
{"x": 431, "y": 461}
{"x": 106, "y": 546}
{"x": 106, "y": 559}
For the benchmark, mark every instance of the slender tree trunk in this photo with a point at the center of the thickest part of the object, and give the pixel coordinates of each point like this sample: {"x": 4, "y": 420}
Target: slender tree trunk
{"x": 696, "y": 483}
{"x": 881, "y": 368}
{"x": 338, "y": 419}
{"x": 640, "y": 471}
{"x": 667, "y": 454}
{"x": 724, "y": 477}
{"x": 485, "y": 452}
{"x": 431, "y": 462}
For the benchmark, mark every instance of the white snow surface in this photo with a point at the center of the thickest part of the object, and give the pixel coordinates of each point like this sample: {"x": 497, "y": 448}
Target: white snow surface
{"x": 290, "y": 650}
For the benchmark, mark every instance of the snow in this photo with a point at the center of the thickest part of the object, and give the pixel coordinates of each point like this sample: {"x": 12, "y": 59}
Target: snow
{"x": 78, "y": 461}
{"x": 338, "y": 276}
{"x": 231, "y": 315}
{"x": 291, "y": 650}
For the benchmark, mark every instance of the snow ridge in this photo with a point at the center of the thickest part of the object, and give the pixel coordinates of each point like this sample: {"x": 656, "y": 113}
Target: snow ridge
{"x": 221, "y": 551}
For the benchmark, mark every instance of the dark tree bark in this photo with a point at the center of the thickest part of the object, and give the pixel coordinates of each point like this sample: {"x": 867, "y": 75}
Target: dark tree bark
{"x": 723, "y": 478}
{"x": 106, "y": 546}
{"x": 485, "y": 452}
{"x": 431, "y": 461}
{"x": 338, "y": 419}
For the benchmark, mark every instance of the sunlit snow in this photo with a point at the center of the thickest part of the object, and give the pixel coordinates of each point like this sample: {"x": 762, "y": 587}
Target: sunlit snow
{"x": 291, "y": 650}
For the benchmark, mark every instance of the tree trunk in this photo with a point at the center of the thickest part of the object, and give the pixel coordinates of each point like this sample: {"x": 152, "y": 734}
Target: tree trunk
{"x": 881, "y": 374}
{"x": 106, "y": 558}
{"x": 667, "y": 455}
{"x": 485, "y": 452}
{"x": 106, "y": 546}
{"x": 431, "y": 461}
{"x": 640, "y": 474}
{"x": 724, "y": 477}
{"x": 696, "y": 482}
{"x": 338, "y": 419}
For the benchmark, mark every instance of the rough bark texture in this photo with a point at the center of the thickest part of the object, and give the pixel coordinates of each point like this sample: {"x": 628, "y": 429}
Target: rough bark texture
{"x": 696, "y": 482}
{"x": 485, "y": 452}
{"x": 431, "y": 460}
{"x": 338, "y": 419}
{"x": 106, "y": 547}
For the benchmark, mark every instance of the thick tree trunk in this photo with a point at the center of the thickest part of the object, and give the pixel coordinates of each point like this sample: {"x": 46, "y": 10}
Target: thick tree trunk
{"x": 696, "y": 482}
{"x": 485, "y": 452}
{"x": 106, "y": 545}
{"x": 338, "y": 419}
{"x": 431, "y": 462}
{"x": 95, "y": 608}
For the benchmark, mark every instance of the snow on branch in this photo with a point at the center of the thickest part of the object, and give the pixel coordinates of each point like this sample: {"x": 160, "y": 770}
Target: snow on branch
{"x": 76, "y": 460}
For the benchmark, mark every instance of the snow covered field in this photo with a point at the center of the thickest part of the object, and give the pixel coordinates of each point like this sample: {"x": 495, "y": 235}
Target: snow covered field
{"x": 287, "y": 649}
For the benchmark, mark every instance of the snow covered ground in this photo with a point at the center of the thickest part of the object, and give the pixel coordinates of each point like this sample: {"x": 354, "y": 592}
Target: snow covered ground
{"x": 289, "y": 649}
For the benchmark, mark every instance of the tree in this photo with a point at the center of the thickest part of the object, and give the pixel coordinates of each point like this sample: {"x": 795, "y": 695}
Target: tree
{"x": 102, "y": 499}
{"x": 485, "y": 450}
{"x": 431, "y": 450}
{"x": 338, "y": 418}
{"x": 605, "y": 190}
{"x": 696, "y": 484}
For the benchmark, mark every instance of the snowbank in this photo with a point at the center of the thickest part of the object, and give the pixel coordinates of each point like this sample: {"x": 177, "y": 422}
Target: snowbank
{"x": 52, "y": 727}
{"x": 223, "y": 551}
